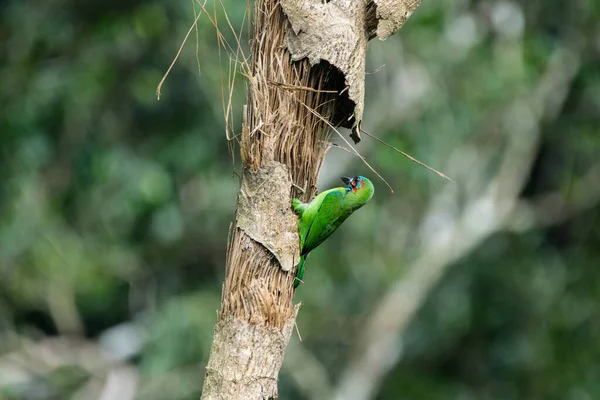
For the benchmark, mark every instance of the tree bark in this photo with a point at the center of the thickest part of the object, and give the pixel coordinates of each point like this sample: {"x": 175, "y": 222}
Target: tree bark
{"x": 305, "y": 76}
{"x": 284, "y": 139}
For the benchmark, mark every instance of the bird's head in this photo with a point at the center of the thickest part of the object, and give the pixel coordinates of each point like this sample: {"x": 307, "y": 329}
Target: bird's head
{"x": 358, "y": 183}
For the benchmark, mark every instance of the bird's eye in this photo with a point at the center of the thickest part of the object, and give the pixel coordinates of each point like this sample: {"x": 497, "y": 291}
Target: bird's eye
{"x": 353, "y": 183}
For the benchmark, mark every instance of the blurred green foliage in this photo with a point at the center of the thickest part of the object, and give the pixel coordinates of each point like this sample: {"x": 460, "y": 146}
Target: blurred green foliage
{"x": 115, "y": 207}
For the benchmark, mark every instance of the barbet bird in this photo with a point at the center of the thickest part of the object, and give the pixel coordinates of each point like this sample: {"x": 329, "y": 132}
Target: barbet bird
{"x": 326, "y": 212}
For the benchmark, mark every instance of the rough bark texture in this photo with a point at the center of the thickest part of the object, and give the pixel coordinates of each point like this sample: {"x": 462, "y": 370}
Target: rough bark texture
{"x": 333, "y": 31}
{"x": 292, "y": 103}
{"x": 284, "y": 140}
{"x": 263, "y": 212}
{"x": 390, "y": 15}
{"x": 258, "y": 349}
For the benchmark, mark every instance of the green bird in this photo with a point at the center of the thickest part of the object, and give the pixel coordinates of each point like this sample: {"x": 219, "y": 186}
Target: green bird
{"x": 326, "y": 212}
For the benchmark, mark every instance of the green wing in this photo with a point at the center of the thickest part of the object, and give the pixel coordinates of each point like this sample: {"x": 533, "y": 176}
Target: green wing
{"x": 324, "y": 219}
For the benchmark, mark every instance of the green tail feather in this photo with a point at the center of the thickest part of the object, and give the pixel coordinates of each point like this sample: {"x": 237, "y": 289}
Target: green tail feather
{"x": 300, "y": 272}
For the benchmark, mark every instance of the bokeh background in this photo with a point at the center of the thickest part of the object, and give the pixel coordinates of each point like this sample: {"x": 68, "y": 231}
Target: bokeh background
{"x": 115, "y": 207}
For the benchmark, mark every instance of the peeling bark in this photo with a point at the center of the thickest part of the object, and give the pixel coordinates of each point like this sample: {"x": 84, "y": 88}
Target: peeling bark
{"x": 392, "y": 14}
{"x": 263, "y": 212}
{"x": 335, "y": 32}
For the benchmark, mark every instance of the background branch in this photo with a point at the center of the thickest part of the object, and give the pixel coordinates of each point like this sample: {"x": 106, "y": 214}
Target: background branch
{"x": 448, "y": 235}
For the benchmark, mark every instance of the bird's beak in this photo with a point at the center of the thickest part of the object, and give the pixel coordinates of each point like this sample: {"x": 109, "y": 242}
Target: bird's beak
{"x": 346, "y": 180}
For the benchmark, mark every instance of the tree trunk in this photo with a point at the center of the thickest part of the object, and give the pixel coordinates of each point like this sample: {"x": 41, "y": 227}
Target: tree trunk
{"x": 282, "y": 142}
{"x": 294, "y": 98}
